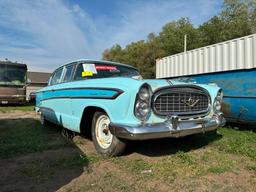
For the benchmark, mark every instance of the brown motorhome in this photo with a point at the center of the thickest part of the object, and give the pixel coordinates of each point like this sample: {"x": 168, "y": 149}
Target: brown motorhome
{"x": 13, "y": 78}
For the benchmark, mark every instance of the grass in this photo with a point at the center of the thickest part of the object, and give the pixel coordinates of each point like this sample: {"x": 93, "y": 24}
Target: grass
{"x": 218, "y": 169}
{"x": 237, "y": 142}
{"x": 5, "y": 109}
{"x": 46, "y": 168}
{"x": 27, "y": 136}
{"x": 134, "y": 165}
{"x": 233, "y": 152}
{"x": 251, "y": 167}
{"x": 187, "y": 161}
{"x": 93, "y": 157}
{"x": 69, "y": 162}
{"x": 110, "y": 181}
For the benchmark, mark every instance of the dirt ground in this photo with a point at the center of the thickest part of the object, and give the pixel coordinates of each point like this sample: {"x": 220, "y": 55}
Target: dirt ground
{"x": 158, "y": 165}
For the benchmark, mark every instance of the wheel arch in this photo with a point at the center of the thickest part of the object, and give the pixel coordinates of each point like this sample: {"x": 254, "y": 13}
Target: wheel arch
{"x": 86, "y": 119}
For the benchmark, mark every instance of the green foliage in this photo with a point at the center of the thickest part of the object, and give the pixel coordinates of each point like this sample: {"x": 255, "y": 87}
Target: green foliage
{"x": 212, "y": 31}
{"x": 237, "y": 18}
{"x": 141, "y": 54}
{"x": 172, "y": 36}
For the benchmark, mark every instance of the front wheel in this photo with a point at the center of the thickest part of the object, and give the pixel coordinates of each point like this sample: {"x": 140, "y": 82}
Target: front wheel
{"x": 105, "y": 143}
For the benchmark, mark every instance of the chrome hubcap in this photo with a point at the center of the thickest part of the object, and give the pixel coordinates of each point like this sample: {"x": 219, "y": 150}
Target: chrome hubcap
{"x": 103, "y": 135}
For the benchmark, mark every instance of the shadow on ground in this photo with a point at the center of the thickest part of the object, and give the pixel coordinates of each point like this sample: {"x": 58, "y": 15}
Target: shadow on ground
{"x": 33, "y": 158}
{"x": 242, "y": 126}
{"x": 162, "y": 147}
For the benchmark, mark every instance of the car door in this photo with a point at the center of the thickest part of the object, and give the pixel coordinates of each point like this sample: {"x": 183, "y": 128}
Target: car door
{"x": 63, "y": 106}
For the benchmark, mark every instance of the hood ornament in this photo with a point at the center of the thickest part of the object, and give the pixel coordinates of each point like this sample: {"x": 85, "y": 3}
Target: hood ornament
{"x": 190, "y": 102}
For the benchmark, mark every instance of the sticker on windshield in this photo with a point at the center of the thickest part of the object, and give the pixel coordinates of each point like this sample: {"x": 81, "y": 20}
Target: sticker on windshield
{"x": 87, "y": 73}
{"x": 103, "y": 67}
{"x": 90, "y": 67}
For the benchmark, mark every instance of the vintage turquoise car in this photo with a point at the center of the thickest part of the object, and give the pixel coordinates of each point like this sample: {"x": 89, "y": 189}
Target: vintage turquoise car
{"x": 112, "y": 102}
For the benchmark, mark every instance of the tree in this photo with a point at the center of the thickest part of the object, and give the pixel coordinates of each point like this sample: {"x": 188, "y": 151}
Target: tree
{"x": 172, "y": 36}
{"x": 141, "y": 54}
{"x": 252, "y": 15}
{"x": 237, "y": 18}
{"x": 212, "y": 31}
{"x": 113, "y": 54}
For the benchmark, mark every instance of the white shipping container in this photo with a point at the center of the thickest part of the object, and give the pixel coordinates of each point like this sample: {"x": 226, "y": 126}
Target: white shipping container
{"x": 225, "y": 56}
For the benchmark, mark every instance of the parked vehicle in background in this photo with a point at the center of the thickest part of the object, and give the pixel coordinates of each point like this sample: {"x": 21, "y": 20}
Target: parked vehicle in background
{"x": 32, "y": 97}
{"x": 13, "y": 79}
{"x": 38, "y": 80}
{"x": 230, "y": 64}
{"x": 112, "y": 102}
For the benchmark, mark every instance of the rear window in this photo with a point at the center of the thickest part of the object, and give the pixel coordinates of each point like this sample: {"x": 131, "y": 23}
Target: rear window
{"x": 56, "y": 76}
{"x": 92, "y": 71}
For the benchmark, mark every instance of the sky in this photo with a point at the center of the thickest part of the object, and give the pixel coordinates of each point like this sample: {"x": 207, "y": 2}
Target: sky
{"x": 46, "y": 34}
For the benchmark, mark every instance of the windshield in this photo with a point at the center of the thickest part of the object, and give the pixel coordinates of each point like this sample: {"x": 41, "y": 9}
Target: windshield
{"x": 12, "y": 75}
{"x": 92, "y": 71}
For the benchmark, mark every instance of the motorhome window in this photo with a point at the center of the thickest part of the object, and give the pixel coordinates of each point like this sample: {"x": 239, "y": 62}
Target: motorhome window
{"x": 12, "y": 75}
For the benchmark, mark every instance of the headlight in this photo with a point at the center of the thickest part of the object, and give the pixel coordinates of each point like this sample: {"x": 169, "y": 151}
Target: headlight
{"x": 218, "y": 100}
{"x": 142, "y": 104}
{"x": 144, "y": 94}
{"x": 142, "y": 109}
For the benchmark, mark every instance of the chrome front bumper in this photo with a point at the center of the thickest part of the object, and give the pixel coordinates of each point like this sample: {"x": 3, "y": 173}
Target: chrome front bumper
{"x": 166, "y": 129}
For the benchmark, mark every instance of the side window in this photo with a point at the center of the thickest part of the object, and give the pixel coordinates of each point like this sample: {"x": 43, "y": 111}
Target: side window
{"x": 68, "y": 73}
{"x": 49, "y": 81}
{"x": 79, "y": 70}
{"x": 56, "y": 76}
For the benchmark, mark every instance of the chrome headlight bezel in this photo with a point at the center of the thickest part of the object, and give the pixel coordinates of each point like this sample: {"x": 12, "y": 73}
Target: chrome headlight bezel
{"x": 218, "y": 101}
{"x": 144, "y": 94}
{"x": 142, "y": 107}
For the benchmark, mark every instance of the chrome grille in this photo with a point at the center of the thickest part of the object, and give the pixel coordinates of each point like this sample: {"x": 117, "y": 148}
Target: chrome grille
{"x": 181, "y": 101}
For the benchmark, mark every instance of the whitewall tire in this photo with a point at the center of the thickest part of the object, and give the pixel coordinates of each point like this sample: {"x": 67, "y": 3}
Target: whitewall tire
{"x": 105, "y": 143}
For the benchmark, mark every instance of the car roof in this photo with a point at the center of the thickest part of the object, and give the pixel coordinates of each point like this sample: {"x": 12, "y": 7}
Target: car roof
{"x": 89, "y": 61}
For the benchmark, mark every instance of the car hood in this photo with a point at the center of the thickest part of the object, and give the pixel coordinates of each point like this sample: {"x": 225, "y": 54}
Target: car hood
{"x": 158, "y": 83}
{"x": 122, "y": 83}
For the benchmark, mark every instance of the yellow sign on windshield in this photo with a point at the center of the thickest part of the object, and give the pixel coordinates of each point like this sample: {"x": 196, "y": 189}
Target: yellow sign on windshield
{"x": 87, "y": 73}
